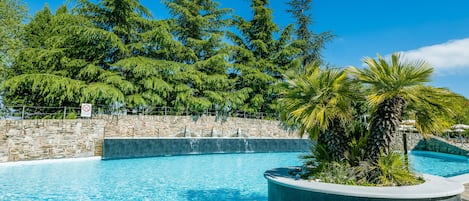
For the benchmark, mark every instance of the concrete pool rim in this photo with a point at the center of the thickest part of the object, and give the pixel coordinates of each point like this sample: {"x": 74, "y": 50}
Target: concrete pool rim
{"x": 283, "y": 186}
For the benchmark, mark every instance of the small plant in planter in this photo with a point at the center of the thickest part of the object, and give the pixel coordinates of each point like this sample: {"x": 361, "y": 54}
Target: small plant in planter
{"x": 389, "y": 170}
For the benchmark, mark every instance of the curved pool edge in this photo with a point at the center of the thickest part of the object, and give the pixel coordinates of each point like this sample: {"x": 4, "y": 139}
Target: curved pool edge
{"x": 463, "y": 179}
{"x": 282, "y": 186}
{"x": 50, "y": 161}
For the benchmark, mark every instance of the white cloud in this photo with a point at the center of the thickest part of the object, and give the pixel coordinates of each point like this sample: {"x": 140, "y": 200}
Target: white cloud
{"x": 452, "y": 56}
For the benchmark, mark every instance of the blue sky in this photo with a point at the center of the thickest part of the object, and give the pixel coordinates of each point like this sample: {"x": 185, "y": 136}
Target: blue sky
{"x": 436, "y": 31}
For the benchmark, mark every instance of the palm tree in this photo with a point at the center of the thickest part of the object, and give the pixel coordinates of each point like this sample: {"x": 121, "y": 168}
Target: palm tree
{"x": 320, "y": 101}
{"x": 393, "y": 87}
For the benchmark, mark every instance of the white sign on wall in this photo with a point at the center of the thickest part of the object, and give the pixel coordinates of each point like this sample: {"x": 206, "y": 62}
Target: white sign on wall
{"x": 86, "y": 110}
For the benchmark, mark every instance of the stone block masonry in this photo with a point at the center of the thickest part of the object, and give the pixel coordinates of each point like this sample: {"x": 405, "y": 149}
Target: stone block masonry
{"x": 48, "y": 139}
{"x": 186, "y": 126}
{"x": 416, "y": 141}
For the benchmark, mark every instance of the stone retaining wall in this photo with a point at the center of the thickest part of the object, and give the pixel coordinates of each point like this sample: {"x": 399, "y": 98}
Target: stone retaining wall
{"x": 413, "y": 141}
{"x": 186, "y": 126}
{"x": 437, "y": 144}
{"x": 46, "y": 139}
{"x": 416, "y": 141}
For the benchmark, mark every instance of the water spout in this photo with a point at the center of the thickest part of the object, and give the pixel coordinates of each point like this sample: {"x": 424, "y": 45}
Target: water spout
{"x": 247, "y": 147}
{"x": 218, "y": 143}
{"x": 194, "y": 143}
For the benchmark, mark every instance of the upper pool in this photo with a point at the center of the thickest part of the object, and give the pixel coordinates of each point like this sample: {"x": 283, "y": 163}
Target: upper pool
{"x": 232, "y": 177}
{"x": 445, "y": 165}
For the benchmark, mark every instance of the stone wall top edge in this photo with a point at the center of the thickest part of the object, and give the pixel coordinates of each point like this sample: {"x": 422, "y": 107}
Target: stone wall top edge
{"x": 176, "y": 116}
{"x": 213, "y": 138}
{"x": 49, "y": 120}
{"x": 103, "y": 117}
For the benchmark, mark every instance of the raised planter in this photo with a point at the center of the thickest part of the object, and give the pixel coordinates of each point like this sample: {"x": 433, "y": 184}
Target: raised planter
{"x": 284, "y": 187}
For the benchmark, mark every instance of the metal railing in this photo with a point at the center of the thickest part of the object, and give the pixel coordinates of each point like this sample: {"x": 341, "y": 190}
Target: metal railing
{"x": 70, "y": 112}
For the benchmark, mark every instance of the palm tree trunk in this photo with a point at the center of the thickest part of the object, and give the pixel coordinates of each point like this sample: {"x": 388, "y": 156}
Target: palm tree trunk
{"x": 384, "y": 126}
{"x": 335, "y": 140}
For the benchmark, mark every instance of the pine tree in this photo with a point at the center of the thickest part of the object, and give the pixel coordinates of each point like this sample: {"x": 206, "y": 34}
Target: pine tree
{"x": 12, "y": 14}
{"x": 200, "y": 26}
{"x": 112, "y": 52}
{"x": 152, "y": 58}
{"x": 62, "y": 65}
{"x": 260, "y": 60}
{"x": 312, "y": 43}
{"x": 38, "y": 30}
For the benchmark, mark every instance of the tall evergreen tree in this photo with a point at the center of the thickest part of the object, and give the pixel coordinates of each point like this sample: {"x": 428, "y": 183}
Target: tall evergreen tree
{"x": 312, "y": 43}
{"x": 12, "y": 14}
{"x": 200, "y": 26}
{"x": 124, "y": 18}
{"x": 260, "y": 59}
{"x": 38, "y": 30}
{"x": 61, "y": 66}
{"x": 111, "y": 51}
{"x": 152, "y": 62}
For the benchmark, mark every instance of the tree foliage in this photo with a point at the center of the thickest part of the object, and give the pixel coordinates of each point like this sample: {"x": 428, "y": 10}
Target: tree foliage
{"x": 260, "y": 59}
{"x": 312, "y": 43}
{"x": 202, "y": 57}
{"x": 12, "y": 14}
{"x": 321, "y": 102}
{"x": 398, "y": 85}
{"x": 201, "y": 26}
{"x": 185, "y": 62}
{"x": 63, "y": 63}
{"x": 112, "y": 52}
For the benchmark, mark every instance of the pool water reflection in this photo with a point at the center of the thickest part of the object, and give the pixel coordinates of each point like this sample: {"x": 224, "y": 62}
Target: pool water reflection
{"x": 235, "y": 177}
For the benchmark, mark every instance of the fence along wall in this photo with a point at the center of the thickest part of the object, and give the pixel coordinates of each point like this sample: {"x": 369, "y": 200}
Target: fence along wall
{"x": 48, "y": 139}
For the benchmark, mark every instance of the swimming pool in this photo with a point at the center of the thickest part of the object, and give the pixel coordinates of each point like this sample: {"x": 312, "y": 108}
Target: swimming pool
{"x": 441, "y": 164}
{"x": 195, "y": 177}
{"x": 232, "y": 177}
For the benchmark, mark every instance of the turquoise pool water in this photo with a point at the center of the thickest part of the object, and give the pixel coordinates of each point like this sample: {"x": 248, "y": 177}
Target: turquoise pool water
{"x": 445, "y": 165}
{"x": 218, "y": 177}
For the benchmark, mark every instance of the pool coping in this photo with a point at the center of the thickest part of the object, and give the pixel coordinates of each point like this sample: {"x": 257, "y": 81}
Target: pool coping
{"x": 433, "y": 187}
{"x": 213, "y": 138}
{"x": 49, "y": 161}
{"x": 463, "y": 179}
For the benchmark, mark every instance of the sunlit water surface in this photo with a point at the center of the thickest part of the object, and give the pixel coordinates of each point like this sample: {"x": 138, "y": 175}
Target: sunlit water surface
{"x": 216, "y": 177}
{"x": 194, "y": 177}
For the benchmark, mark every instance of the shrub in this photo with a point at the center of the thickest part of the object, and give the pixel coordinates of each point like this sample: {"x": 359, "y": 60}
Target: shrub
{"x": 393, "y": 171}
{"x": 390, "y": 170}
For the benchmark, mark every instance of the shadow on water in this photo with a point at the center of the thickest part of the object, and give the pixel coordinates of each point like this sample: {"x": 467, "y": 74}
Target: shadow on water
{"x": 224, "y": 194}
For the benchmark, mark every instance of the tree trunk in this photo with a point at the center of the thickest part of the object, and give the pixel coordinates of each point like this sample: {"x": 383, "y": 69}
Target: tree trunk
{"x": 383, "y": 127}
{"x": 335, "y": 140}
